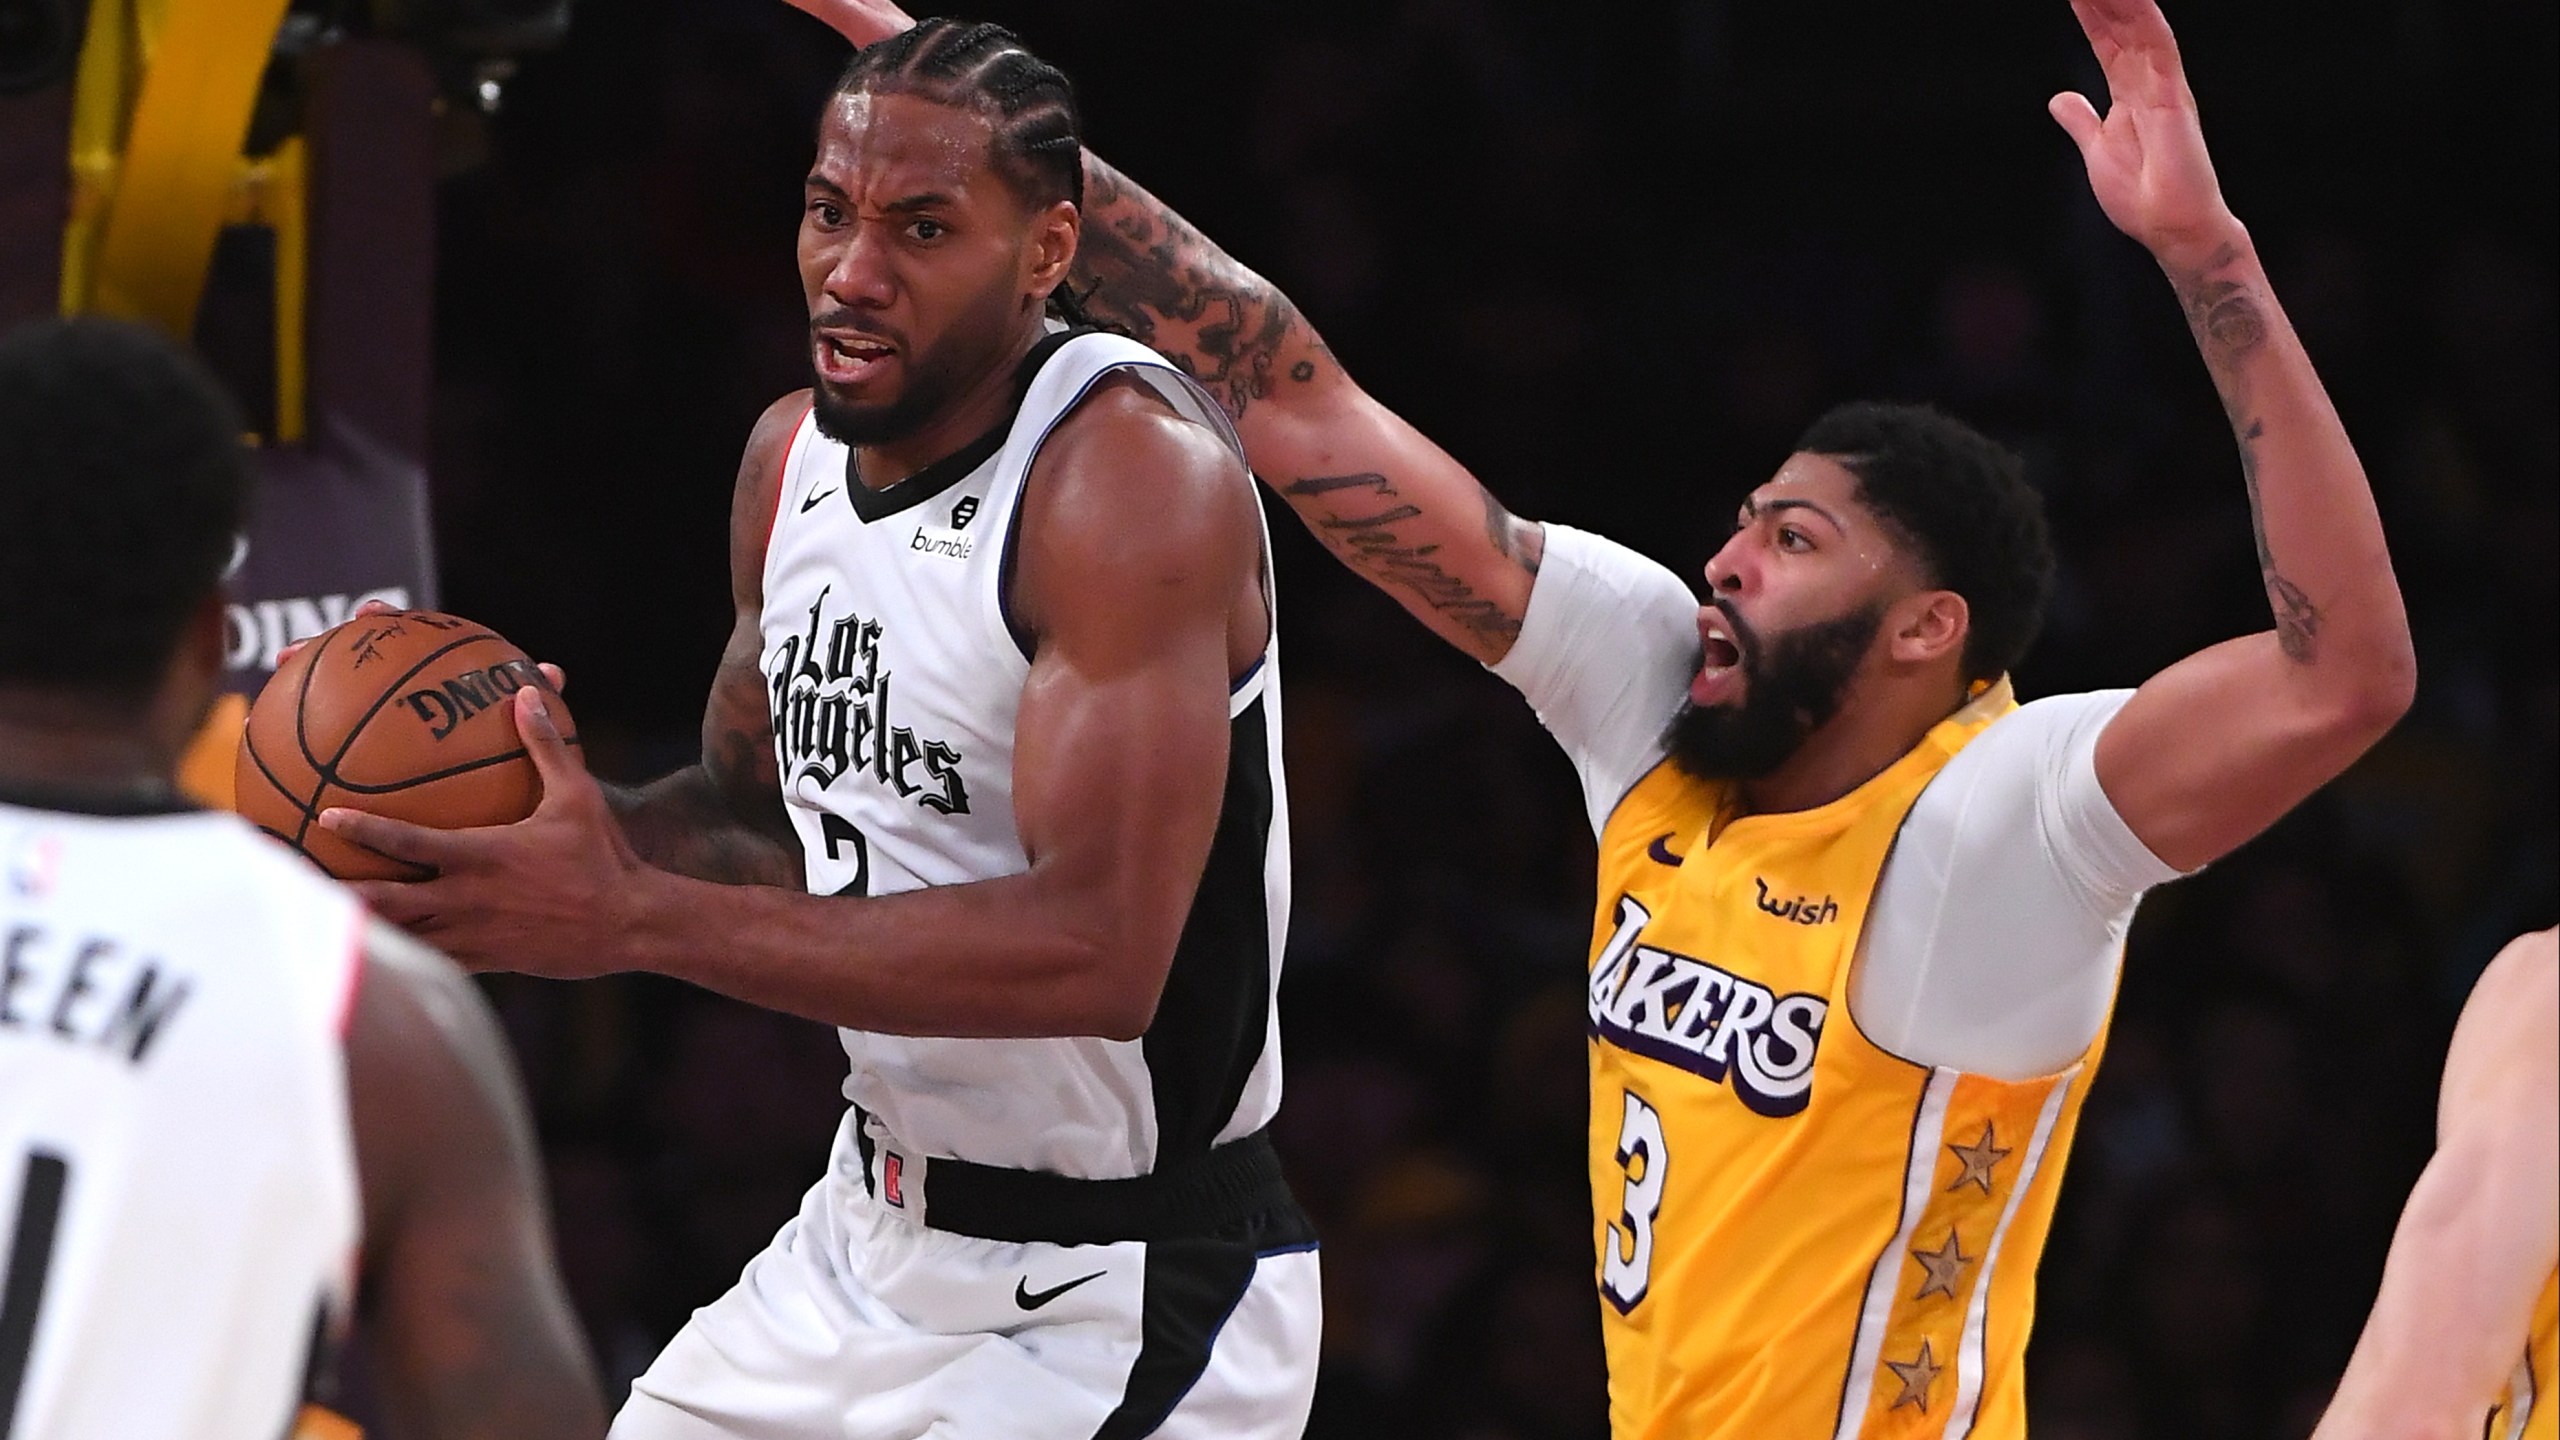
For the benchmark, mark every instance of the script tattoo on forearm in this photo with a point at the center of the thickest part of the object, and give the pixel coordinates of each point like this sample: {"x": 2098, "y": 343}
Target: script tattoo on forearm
{"x": 1144, "y": 270}
{"x": 1359, "y": 521}
{"x": 2230, "y": 326}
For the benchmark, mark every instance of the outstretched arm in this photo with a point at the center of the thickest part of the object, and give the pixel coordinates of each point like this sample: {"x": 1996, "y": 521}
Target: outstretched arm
{"x": 2218, "y": 747}
{"x": 1381, "y": 496}
{"x": 2481, "y": 1233}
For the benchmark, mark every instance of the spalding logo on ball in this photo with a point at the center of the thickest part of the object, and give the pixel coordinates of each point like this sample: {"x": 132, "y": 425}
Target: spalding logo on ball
{"x": 407, "y": 715}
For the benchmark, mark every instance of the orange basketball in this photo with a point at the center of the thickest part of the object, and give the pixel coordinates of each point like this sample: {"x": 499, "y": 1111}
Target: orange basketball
{"x": 407, "y": 715}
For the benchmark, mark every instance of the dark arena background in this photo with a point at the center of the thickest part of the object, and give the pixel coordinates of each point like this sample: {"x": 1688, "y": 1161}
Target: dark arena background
{"x": 1613, "y": 258}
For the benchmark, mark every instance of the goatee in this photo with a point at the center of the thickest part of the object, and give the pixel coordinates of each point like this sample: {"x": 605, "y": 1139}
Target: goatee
{"x": 1794, "y": 684}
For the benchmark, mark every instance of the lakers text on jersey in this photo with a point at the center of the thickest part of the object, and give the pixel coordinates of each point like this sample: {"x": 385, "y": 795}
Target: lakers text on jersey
{"x": 1798, "y": 1233}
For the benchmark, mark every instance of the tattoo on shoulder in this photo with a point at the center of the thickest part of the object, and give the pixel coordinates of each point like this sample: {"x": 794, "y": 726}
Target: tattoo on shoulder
{"x": 1360, "y": 521}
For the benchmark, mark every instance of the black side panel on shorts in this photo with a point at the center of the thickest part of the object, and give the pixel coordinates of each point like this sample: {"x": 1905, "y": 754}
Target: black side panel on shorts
{"x": 1209, "y": 1026}
{"x": 1192, "y": 1287}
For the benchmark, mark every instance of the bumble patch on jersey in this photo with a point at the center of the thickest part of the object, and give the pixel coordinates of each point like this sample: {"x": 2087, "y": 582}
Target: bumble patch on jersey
{"x": 941, "y": 544}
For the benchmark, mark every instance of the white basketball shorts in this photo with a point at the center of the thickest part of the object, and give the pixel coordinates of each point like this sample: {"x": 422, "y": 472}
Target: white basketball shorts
{"x": 859, "y": 1322}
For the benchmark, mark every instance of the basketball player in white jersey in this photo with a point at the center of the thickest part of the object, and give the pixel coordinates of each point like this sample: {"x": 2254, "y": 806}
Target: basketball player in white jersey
{"x": 2468, "y": 1322}
{"x": 234, "y": 1112}
{"x": 991, "y": 782}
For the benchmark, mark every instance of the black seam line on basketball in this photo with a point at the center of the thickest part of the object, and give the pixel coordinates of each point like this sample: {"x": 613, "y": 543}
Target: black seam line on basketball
{"x": 249, "y": 743}
{"x": 302, "y": 742}
{"x": 465, "y": 768}
{"x": 329, "y": 772}
{"x": 431, "y": 657}
{"x": 328, "y": 769}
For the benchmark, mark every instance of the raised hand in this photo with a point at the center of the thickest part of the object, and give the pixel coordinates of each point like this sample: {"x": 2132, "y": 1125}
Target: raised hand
{"x": 864, "y": 22}
{"x": 2147, "y": 159}
{"x": 537, "y": 896}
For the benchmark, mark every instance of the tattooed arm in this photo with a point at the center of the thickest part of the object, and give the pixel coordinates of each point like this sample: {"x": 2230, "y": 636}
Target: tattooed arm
{"x": 1384, "y": 499}
{"x": 722, "y": 818}
{"x": 2219, "y": 746}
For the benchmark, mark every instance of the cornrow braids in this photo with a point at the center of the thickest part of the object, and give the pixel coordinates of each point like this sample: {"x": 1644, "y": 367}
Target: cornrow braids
{"x": 1038, "y": 148}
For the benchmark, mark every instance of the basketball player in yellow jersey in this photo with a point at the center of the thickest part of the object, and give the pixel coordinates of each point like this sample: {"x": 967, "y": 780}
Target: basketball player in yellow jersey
{"x": 2469, "y": 1317}
{"x": 1860, "y": 912}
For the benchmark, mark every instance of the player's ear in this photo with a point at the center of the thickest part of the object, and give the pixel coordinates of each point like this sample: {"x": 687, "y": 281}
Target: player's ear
{"x": 1929, "y": 626}
{"x": 1055, "y": 232}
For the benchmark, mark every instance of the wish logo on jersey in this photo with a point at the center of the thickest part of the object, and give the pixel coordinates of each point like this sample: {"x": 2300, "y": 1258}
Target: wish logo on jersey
{"x": 1687, "y": 1013}
{"x": 832, "y": 712}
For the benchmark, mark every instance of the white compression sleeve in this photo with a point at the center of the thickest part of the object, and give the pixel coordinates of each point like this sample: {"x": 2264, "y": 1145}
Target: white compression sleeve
{"x": 1605, "y": 656}
{"x": 1993, "y": 940}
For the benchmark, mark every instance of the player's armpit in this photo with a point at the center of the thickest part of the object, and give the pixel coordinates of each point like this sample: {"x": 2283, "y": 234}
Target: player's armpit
{"x": 723, "y": 819}
{"x": 472, "y": 1335}
{"x": 1387, "y": 501}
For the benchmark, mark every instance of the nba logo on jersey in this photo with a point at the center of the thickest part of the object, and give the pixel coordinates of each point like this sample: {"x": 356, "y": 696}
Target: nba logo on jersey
{"x": 891, "y": 1168}
{"x": 35, "y": 861}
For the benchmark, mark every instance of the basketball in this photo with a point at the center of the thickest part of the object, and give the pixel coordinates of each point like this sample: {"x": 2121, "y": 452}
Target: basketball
{"x": 405, "y": 714}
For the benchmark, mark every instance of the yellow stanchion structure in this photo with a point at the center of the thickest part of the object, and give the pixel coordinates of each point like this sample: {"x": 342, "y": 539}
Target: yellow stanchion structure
{"x": 160, "y": 113}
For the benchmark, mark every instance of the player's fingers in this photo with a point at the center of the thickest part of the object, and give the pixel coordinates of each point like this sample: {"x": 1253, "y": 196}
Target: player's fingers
{"x": 2096, "y": 25}
{"x": 2078, "y": 118}
{"x": 405, "y": 905}
{"x": 535, "y": 721}
{"x": 417, "y": 844}
{"x": 558, "y": 677}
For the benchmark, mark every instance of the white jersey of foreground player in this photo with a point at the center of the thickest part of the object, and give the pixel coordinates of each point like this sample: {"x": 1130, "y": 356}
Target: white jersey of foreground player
{"x": 178, "y": 1193}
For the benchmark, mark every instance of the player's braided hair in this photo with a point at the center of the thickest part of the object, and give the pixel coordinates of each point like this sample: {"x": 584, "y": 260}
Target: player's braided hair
{"x": 1038, "y": 147}
{"x": 1963, "y": 501}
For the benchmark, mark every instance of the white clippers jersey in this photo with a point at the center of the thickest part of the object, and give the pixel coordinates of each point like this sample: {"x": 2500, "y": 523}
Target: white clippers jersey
{"x": 894, "y": 675}
{"x": 178, "y": 1201}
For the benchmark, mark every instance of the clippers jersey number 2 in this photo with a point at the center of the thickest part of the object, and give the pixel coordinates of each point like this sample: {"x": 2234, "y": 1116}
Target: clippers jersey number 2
{"x": 1626, "y": 1257}
{"x": 27, "y": 1262}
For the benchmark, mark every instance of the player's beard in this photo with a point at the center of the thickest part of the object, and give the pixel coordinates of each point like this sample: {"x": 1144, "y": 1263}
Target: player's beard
{"x": 976, "y": 342}
{"x": 1793, "y": 684}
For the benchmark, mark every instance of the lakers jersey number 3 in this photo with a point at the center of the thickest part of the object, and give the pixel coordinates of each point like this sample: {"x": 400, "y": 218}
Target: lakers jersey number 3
{"x": 1799, "y": 1234}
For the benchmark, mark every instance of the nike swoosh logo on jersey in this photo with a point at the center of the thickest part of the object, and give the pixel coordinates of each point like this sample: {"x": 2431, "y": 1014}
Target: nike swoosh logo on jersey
{"x": 1660, "y": 854}
{"x": 812, "y": 502}
{"x": 1030, "y": 1299}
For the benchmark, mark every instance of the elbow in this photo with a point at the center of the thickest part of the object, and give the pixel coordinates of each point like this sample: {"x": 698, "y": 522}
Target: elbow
{"x": 1113, "y": 988}
{"x": 1126, "y": 1017}
{"x": 1116, "y": 1007}
{"x": 2382, "y": 694}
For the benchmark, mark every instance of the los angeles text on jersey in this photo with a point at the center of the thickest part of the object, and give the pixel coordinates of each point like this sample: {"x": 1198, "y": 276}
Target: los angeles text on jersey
{"x": 831, "y": 714}
{"x": 1686, "y": 1012}
{"x": 84, "y": 990}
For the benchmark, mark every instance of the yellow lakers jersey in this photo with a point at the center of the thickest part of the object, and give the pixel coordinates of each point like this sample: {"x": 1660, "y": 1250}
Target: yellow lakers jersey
{"x": 2531, "y": 1409}
{"x": 1799, "y": 1234}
